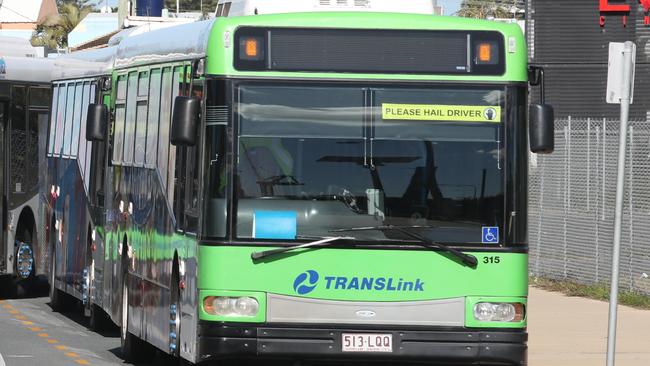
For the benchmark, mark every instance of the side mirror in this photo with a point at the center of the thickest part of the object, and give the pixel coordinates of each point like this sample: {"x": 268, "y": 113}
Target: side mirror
{"x": 187, "y": 113}
{"x": 541, "y": 128}
{"x": 96, "y": 122}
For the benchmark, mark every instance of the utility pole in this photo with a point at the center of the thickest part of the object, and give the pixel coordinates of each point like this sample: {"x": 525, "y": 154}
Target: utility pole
{"x": 620, "y": 90}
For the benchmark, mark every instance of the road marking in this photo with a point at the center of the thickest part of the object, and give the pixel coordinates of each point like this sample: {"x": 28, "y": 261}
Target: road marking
{"x": 24, "y": 321}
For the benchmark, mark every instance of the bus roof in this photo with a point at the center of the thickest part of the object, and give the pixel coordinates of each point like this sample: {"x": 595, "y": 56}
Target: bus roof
{"x": 84, "y": 64}
{"x": 26, "y": 69}
{"x": 210, "y": 39}
{"x": 255, "y": 7}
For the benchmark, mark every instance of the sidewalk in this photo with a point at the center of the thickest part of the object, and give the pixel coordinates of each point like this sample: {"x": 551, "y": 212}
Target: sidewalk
{"x": 572, "y": 331}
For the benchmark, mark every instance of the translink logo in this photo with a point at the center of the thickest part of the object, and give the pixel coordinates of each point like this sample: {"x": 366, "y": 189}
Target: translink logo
{"x": 307, "y": 282}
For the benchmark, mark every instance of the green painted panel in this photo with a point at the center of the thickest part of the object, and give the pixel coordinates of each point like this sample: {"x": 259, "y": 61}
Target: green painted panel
{"x": 220, "y": 58}
{"x": 349, "y": 272}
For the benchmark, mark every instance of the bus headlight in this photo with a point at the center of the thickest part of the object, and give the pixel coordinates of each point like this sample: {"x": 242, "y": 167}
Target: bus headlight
{"x": 231, "y": 306}
{"x": 499, "y": 312}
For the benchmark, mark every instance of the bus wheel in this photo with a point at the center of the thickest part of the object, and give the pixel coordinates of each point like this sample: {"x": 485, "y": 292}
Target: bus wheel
{"x": 24, "y": 260}
{"x": 133, "y": 348}
{"x": 57, "y": 298}
{"x": 24, "y": 265}
{"x": 98, "y": 320}
{"x": 127, "y": 340}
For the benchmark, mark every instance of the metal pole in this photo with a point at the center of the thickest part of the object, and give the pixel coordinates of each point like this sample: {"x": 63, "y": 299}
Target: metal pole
{"x": 620, "y": 189}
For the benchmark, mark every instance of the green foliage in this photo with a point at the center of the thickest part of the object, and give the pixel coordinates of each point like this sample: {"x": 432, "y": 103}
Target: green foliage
{"x": 53, "y": 32}
{"x": 483, "y": 9}
{"x": 80, "y": 4}
{"x": 598, "y": 291}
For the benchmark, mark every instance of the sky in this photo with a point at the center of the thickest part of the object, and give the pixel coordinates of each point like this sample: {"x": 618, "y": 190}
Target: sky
{"x": 102, "y": 2}
{"x": 451, "y": 6}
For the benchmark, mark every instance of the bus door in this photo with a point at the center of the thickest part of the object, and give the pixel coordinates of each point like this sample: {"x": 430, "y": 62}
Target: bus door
{"x": 96, "y": 188}
{"x": 186, "y": 180}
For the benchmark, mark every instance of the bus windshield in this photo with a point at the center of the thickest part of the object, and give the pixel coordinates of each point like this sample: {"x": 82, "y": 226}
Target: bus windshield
{"x": 317, "y": 158}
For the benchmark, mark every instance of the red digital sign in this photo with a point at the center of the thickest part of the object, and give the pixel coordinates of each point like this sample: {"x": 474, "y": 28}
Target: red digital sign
{"x": 620, "y": 8}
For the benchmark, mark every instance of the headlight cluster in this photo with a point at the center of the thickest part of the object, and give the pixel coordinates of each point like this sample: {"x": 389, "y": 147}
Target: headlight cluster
{"x": 499, "y": 312}
{"x": 231, "y": 306}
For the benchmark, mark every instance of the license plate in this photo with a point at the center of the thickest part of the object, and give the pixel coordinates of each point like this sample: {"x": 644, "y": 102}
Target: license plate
{"x": 363, "y": 342}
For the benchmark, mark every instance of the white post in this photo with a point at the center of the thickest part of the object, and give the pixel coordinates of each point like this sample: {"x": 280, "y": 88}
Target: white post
{"x": 626, "y": 88}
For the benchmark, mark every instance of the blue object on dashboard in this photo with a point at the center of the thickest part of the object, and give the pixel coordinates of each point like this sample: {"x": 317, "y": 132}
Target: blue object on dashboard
{"x": 275, "y": 225}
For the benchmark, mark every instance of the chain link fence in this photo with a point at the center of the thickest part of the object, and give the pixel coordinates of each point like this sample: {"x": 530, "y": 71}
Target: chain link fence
{"x": 572, "y": 205}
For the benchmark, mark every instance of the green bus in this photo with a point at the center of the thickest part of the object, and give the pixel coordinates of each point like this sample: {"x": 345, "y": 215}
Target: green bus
{"x": 345, "y": 185}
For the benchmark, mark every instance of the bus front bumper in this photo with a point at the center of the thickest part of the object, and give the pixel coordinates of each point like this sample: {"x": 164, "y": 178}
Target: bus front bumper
{"x": 484, "y": 347}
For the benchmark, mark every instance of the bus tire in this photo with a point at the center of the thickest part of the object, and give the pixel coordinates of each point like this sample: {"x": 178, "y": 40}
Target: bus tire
{"x": 133, "y": 348}
{"x": 24, "y": 265}
{"x": 128, "y": 341}
{"x": 57, "y": 298}
{"x": 98, "y": 320}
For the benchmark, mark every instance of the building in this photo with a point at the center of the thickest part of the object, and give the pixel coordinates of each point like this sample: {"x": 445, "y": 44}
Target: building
{"x": 572, "y": 192}
{"x": 18, "y": 18}
{"x": 93, "y": 31}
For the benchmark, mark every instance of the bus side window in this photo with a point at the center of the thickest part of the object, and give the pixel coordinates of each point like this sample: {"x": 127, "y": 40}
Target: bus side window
{"x": 166, "y": 101}
{"x": 129, "y": 125}
{"x": 141, "y": 119}
{"x": 118, "y": 130}
{"x": 153, "y": 116}
{"x": 60, "y": 120}
{"x": 69, "y": 115}
{"x": 53, "y": 119}
{"x": 76, "y": 124}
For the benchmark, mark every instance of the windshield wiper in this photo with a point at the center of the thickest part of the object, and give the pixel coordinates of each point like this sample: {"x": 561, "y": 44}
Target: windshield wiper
{"x": 423, "y": 241}
{"x": 321, "y": 242}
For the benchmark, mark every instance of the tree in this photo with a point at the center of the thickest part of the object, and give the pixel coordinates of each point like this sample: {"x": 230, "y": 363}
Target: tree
{"x": 53, "y": 32}
{"x": 483, "y": 9}
{"x": 80, "y": 4}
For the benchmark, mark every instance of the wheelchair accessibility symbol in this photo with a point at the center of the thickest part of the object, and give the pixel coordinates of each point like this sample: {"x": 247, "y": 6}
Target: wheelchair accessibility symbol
{"x": 490, "y": 235}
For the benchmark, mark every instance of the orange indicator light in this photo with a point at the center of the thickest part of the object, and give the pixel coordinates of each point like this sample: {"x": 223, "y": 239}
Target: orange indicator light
{"x": 251, "y": 47}
{"x": 485, "y": 52}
